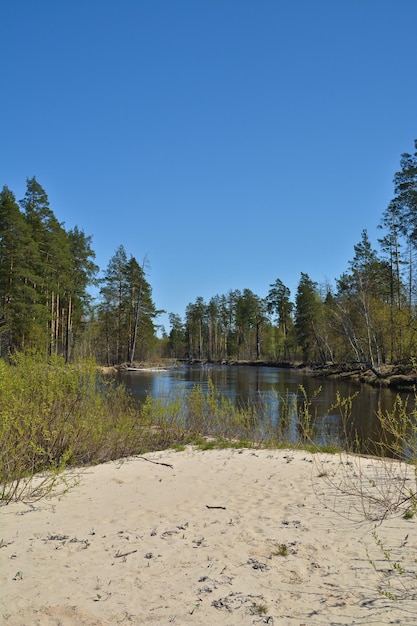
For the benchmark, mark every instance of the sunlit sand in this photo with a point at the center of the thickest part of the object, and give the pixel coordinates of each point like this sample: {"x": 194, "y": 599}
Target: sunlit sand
{"x": 225, "y": 537}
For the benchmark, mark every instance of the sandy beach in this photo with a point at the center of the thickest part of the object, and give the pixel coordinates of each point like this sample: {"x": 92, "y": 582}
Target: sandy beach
{"x": 228, "y": 537}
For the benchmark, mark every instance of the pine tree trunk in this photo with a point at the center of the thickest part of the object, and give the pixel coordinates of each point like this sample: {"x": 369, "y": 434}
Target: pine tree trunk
{"x": 68, "y": 330}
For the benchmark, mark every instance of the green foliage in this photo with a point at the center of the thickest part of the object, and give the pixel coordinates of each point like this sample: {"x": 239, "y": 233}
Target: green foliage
{"x": 397, "y": 583}
{"x": 54, "y": 415}
{"x": 308, "y": 313}
{"x": 278, "y": 303}
{"x": 307, "y": 414}
{"x": 250, "y": 314}
{"x": 126, "y": 312}
{"x": 281, "y": 550}
{"x": 177, "y": 339}
{"x": 398, "y": 429}
{"x": 44, "y": 275}
{"x": 259, "y": 609}
{"x": 196, "y": 329}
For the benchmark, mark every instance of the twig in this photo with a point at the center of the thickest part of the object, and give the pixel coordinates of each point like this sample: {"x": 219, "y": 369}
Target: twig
{"x": 216, "y": 507}
{"x": 120, "y": 555}
{"x": 156, "y": 462}
{"x": 410, "y": 497}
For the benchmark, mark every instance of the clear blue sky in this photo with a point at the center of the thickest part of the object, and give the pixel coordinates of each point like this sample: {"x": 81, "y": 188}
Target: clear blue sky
{"x": 232, "y": 142}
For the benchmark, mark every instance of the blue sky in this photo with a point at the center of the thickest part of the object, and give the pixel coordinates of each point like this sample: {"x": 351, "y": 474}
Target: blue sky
{"x": 231, "y": 142}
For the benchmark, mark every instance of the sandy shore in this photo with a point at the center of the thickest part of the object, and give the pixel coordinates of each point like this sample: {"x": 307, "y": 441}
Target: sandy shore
{"x": 222, "y": 537}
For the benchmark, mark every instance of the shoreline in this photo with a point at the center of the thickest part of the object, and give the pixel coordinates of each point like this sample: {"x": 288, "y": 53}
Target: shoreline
{"x": 395, "y": 377}
{"x": 225, "y": 536}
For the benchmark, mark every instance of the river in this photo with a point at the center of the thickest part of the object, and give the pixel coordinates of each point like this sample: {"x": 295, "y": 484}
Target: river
{"x": 269, "y": 387}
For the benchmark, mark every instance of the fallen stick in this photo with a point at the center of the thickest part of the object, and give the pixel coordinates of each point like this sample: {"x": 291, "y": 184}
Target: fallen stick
{"x": 216, "y": 507}
{"x": 156, "y": 462}
{"x": 120, "y": 555}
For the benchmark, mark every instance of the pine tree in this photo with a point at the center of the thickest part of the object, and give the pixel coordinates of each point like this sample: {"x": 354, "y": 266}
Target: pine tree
{"x": 141, "y": 311}
{"x": 18, "y": 294}
{"x": 195, "y": 316}
{"x": 278, "y": 303}
{"x": 250, "y": 315}
{"x": 52, "y": 267}
{"x": 308, "y": 311}
{"x": 83, "y": 271}
{"x": 177, "y": 337}
{"x": 126, "y": 310}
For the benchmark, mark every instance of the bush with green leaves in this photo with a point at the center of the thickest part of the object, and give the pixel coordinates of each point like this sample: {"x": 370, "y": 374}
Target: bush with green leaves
{"x": 54, "y": 415}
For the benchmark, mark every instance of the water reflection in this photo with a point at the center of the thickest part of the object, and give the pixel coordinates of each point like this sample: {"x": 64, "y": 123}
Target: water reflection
{"x": 272, "y": 390}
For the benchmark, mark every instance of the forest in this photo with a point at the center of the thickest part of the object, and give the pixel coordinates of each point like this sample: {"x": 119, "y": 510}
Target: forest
{"x": 47, "y": 274}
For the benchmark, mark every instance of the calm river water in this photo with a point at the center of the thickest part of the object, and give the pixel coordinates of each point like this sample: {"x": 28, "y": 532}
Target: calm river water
{"x": 269, "y": 387}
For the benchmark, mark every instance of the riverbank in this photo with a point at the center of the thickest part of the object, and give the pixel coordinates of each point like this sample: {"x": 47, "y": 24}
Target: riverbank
{"x": 400, "y": 377}
{"x": 225, "y": 537}
{"x": 395, "y": 376}
{"x": 392, "y": 376}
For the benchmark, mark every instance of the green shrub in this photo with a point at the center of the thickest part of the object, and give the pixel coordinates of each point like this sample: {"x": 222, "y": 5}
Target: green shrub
{"x": 53, "y": 415}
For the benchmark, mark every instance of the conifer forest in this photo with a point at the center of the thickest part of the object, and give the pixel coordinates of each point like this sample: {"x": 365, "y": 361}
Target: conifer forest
{"x": 48, "y": 273}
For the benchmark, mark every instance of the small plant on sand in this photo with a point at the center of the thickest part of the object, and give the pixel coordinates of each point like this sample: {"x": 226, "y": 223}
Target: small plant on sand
{"x": 410, "y": 512}
{"x": 259, "y": 609}
{"x": 281, "y": 550}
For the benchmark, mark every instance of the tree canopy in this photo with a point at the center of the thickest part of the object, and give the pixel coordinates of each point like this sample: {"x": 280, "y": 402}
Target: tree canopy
{"x": 47, "y": 273}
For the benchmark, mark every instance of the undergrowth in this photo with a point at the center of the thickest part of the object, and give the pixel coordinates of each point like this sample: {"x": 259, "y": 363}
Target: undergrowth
{"x": 53, "y": 416}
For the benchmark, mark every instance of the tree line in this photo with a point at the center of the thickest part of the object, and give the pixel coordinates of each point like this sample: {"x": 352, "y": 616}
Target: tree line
{"x": 369, "y": 316}
{"x": 47, "y": 274}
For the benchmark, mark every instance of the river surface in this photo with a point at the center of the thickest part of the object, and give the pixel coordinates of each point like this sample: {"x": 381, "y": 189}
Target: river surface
{"x": 271, "y": 387}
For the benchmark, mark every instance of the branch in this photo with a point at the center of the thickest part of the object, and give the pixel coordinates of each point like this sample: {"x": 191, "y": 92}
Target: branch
{"x": 156, "y": 462}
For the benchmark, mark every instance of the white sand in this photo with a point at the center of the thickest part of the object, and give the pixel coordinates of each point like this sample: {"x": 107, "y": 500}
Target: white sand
{"x": 197, "y": 543}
